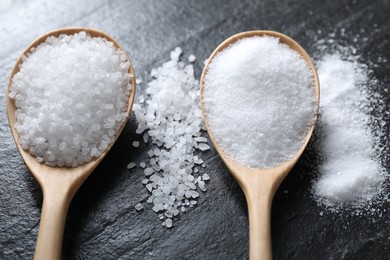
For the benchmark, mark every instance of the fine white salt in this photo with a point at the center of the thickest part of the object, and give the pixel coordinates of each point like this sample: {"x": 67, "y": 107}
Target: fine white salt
{"x": 260, "y": 101}
{"x": 71, "y": 95}
{"x": 350, "y": 173}
{"x": 171, "y": 118}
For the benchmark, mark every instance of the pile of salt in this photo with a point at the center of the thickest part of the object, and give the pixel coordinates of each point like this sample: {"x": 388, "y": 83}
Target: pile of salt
{"x": 168, "y": 114}
{"x": 71, "y": 95}
{"x": 350, "y": 174}
{"x": 259, "y": 100}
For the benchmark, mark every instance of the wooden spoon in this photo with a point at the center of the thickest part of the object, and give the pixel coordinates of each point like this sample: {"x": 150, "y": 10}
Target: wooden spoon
{"x": 260, "y": 185}
{"x": 58, "y": 184}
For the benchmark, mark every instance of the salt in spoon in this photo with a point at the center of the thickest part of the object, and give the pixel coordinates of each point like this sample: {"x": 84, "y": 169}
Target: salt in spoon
{"x": 58, "y": 184}
{"x": 259, "y": 185}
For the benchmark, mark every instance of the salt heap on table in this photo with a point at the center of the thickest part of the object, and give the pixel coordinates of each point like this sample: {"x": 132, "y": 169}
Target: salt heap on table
{"x": 171, "y": 118}
{"x": 350, "y": 172}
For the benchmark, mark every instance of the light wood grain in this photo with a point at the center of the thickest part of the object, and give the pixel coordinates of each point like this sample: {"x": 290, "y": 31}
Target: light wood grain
{"x": 260, "y": 185}
{"x": 58, "y": 184}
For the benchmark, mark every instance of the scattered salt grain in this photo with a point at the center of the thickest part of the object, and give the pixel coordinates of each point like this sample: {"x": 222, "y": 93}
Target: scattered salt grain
{"x": 201, "y": 139}
{"x": 131, "y": 165}
{"x": 191, "y": 58}
{"x": 145, "y": 137}
{"x": 138, "y": 207}
{"x": 203, "y": 147}
{"x": 168, "y": 223}
{"x": 156, "y": 152}
{"x": 135, "y": 144}
{"x": 171, "y": 119}
{"x": 142, "y": 165}
{"x": 151, "y": 153}
{"x": 141, "y": 98}
{"x": 205, "y": 177}
{"x": 139, "y": 81}
{"x": 350, "y": 173}
{"x": 149, "y": 187}
{"x": 202, "y": 186}
{"x": 71, "y": 95}
{"x": 260, "y": 93}
{"x": 148, "y": 171}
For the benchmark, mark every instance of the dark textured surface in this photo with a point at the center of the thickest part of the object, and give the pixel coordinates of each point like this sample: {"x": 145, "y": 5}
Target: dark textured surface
{"x": 102, "y": 222}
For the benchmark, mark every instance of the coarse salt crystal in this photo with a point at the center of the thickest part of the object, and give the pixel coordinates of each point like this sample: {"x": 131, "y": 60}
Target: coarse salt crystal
{"x": 139, "y": 207}
{"x": 131, "y": 165}
{"x": 205, "y": 177}
{"x": 203, "y": 147}
{"x": 61, "y": 108}
{"x": 201, "y": 139}
{"x": 170, "y": 118}
{"x": 191, "y": 58}
{"x": 148, "y": 171}
{"x": 168, "y": 223}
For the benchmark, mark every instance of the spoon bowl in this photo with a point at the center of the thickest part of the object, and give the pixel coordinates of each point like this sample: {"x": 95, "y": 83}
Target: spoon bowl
{"x": 259, "y": 185}
{"x": 58, "y": 184}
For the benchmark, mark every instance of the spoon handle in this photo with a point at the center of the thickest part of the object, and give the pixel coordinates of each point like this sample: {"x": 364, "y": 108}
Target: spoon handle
{"x": 259, "y": 209}
{"x": 51, "y": 227}
{"x": 259, "y": 190}
{"x": 260, "y": 227}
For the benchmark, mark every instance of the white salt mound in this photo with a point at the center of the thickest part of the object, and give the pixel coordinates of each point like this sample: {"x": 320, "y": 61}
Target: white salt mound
{"x": 260, "y": 101}
{"x": 351, "y": 172}
{"x": 171, "y": 118}
{"x": 71, "y": 95}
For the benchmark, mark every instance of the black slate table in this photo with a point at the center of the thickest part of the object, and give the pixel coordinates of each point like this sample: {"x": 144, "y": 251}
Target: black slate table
{"x": 102, "y": 222}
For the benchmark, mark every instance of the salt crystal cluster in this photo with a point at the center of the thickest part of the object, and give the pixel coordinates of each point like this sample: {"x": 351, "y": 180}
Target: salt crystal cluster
{"x": 71, "y": 95}
{"x": 168, "y": 114}
{"x": 259, "y": 101}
